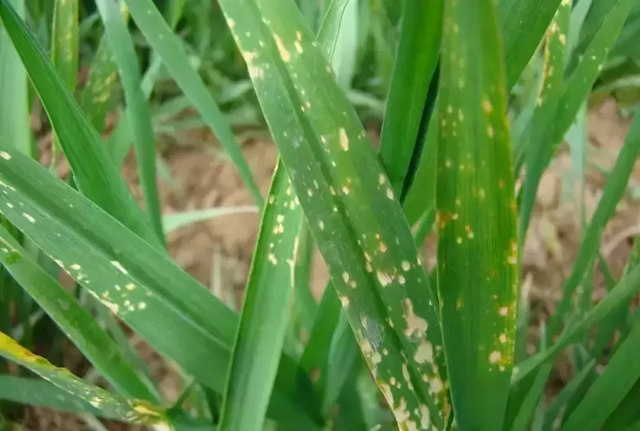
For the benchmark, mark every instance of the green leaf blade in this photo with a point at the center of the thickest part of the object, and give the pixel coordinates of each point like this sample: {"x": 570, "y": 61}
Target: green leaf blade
{"x": 15, "y": 128}
{"x": 265, "y": 313}
{"x": 477, "y": 239}
{"x": 137, "y": 107}
{"x": 64, "y": 38}
{"x": 415, "y": 67}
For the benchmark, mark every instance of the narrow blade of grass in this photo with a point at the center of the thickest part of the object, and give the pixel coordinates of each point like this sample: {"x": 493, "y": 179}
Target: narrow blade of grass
{"x": 265, "y": 312}
{"x": 74, "y": 321}
{"x": 422, "y": 194}
{"x": 169, "y": 47}
{"x": 613, "y": 192}
{"x": 626, "y": 289}
{"x": 343, "y": 362}
{"x": 64, "y": 42}
{"x": 477, "y": 241}
{"x": 111, "y": 405}
{"x": 95, "y": 176}
{"x": 578, "y": 16}
{"x": 120, "y": 140}
{"x": 175, "y": 221}
{"x": 15, "y": 127}
{"x": 610, "y": 388}
{"x": 523, "y": 398}
{"x": 317, "y": 350}
{"x": 338, "y": 35}
{"x": 337, "y": 179}
{"x": 137, "y": 109}
{"x": 519, "y": 415}
{"x": 414, "y": 69}
{"x": 554, "y": 413}
{"x": 96, "y": 96}
{"x": 304, "y": 303}
{"x": 617, "y": 321}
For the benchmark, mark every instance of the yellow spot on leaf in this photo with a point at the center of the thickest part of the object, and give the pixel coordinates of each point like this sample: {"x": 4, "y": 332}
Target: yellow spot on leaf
{"x": 284, "y": 54}
{"x": 344, "y": 139}
{"x": 416, "y": 325}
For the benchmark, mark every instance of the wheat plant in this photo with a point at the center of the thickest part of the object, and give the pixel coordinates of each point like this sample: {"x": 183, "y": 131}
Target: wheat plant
{"x": 477, "y": 97}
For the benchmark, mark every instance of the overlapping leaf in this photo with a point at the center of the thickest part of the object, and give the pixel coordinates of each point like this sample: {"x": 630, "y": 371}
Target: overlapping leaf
{"x": 169, "y": 48}
{"x": 337, "y": 179}
{"x": 95, "y": 175}
{"x": 136, "y": 281}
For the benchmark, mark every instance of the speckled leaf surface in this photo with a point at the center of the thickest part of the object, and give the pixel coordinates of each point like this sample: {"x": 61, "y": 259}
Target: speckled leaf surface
{"x": 177, "y": 315}
{"x": 134, "y": 280}
{"x": 350, "y": 206}
{"x": 476, "y": 216}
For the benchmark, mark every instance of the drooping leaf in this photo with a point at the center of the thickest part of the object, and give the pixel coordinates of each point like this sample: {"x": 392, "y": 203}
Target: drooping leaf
{"x": 74, "y": 321}
{"x": 111, "y": 405}
{"x": 624, "y": 291}
{"x": 175, "y": 221}
{"x": 613, "y": 191}
{"x": 38, "y": 392}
